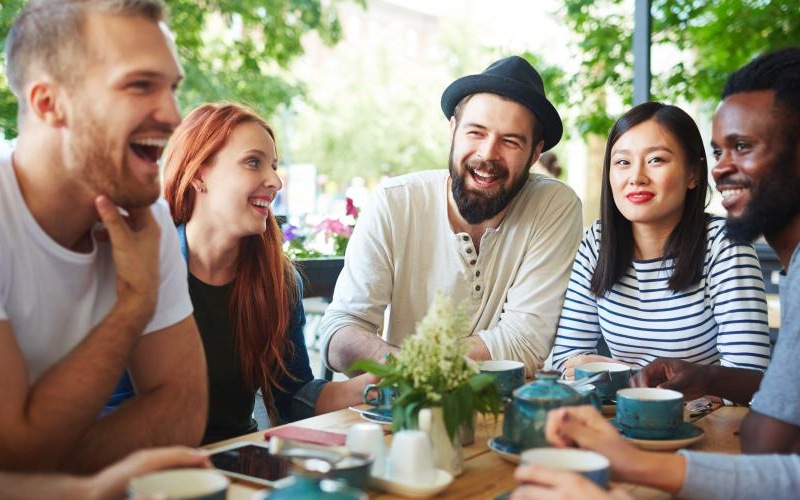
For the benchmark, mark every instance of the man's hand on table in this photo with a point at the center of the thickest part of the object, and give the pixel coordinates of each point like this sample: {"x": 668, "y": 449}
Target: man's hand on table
{"x": 688, "y": 378}
{"x": 693, "y": 380}
{"x": 477, "y": 349}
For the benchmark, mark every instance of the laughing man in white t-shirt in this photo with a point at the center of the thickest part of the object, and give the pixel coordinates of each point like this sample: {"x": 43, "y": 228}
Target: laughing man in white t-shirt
{"x": 95, "y": 81}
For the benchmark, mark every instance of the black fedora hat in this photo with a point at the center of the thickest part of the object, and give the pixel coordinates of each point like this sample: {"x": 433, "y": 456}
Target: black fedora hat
{"x": 515, "y": 78}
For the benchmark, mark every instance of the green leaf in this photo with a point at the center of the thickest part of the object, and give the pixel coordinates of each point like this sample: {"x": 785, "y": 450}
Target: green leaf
{"x": 398, "y": 418}
{"x": 465, "y": 399}
{"x": 411, "y": 415}
{"x": 371, "y": 366}
{"x": 452, "y": 413}
{"x": 481, "y": 380}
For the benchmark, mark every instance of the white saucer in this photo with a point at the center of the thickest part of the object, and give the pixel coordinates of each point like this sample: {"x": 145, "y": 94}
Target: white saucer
{"x": 442, "y": 481}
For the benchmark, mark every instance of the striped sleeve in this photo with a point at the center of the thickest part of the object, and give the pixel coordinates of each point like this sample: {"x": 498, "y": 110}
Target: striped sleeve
{"x": 578, "y": 327}
{"x": 736, "y": 289}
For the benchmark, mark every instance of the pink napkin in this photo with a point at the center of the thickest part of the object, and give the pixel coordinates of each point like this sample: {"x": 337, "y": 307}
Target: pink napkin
{"x": 312, "y": 436}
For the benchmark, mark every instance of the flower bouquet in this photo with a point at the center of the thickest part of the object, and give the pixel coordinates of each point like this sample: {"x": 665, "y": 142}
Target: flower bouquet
{"x": 295, "y": 246}
{"x": 329, "y": 237}
{"x": 432, "y": 370}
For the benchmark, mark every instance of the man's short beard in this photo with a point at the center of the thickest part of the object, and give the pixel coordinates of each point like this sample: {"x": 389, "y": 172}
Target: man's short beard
{"x": 775, "y": 200}
{"x": 476, "y": 207}
{"x": 90, "y": 152}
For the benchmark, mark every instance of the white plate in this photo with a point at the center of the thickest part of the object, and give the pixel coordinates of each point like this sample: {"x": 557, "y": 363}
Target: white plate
{"x": 366, "y": 415}
{"x": 687, "y": 435}
{"x": 442, "y": 481}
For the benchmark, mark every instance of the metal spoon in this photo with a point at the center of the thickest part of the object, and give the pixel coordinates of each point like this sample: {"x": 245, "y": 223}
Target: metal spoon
{"x": 601, "y": 377}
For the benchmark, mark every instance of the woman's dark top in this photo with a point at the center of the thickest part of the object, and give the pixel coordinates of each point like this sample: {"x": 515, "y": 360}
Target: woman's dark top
{"x": 230, "y": 401}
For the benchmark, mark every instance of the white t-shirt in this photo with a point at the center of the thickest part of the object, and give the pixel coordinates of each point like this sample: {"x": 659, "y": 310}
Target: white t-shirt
{"x": 52, "y": 297}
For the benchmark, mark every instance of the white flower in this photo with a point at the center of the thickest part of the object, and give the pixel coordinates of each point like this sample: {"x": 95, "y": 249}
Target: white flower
{"x": 434, "y": 360}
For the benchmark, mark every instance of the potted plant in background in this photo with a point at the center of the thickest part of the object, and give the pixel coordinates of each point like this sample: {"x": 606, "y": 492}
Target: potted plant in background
{"x": 439, "y": 388}
{"x": 318, "y": 250}
{"x": 338, "y": 231}
{"x": 327, "y": 238}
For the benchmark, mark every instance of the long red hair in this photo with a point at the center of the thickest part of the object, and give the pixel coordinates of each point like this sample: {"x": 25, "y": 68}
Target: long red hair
{"x": 264, "y": 290}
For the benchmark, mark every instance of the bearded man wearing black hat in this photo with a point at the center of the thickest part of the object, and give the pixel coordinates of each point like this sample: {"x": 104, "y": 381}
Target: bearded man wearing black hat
{"x": 487, "y": 233}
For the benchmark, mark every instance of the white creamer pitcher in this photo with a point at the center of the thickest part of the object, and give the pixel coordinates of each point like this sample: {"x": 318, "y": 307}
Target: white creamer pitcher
{"x": 447, "y": 453}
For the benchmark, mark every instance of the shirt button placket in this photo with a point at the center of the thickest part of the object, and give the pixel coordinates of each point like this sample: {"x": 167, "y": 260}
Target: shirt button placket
{"x": 477, "y": 276}
{"x": 467, "y": 248}
{"x": 477, "y": 284}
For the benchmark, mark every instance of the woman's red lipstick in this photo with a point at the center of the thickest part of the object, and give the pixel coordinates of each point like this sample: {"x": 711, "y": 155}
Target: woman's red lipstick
{"x": 640, "y": 196}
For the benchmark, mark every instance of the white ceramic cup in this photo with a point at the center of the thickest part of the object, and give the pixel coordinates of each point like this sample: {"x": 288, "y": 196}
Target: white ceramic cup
{"x": 368, "y": 438}
{"x": 411, "y": 458}
{"x": 180, "y": 484}
{"x": 589, "y": 464}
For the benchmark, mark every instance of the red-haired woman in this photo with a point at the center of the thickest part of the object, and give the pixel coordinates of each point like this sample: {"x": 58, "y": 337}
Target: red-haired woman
{"x": 220, "y": 181}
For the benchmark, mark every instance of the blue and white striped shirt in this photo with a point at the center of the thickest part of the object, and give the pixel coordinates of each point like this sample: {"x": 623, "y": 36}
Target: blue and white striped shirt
{"x": 721, "y": 319}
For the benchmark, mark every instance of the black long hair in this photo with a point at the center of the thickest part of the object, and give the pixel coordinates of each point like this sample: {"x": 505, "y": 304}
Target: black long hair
{"x": 687, "y": 242}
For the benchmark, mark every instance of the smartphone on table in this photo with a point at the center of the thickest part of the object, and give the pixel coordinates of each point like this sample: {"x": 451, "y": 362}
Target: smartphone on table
{"x": 252, "y": 461}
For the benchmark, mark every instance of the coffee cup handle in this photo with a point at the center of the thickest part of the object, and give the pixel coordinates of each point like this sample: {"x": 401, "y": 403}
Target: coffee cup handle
{"x": 370, "y": 388}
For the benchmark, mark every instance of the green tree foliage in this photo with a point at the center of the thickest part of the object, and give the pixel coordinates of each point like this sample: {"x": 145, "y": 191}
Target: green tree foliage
{"x": 372, "y": 114}
{"x": 718, "y": 36}
{"x": 230, "y": 49}
{"x": 8, "y": 103}
{"x": 377, "y": 111}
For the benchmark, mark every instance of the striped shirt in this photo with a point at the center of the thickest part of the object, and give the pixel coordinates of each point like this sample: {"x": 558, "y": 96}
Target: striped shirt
{"x": 721, "y": 319}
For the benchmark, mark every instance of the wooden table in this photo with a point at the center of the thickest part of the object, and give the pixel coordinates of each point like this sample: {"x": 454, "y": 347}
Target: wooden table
{"x": 486, "y": 475}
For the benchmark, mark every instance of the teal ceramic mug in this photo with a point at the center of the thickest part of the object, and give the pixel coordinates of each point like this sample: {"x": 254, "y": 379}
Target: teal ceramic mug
{"x": 380, "y": 397}
{"x": 619, "y": 374}
{"x": 649, "y": 413}
{"x": 180, "y": 484}
{"x": 589, "y": 464}
{"x": 508, "y": 375}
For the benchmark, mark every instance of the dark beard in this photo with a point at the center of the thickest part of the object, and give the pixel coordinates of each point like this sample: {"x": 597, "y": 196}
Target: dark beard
{"x": 476, "y": 207}
{"x": 775, "y": 201}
